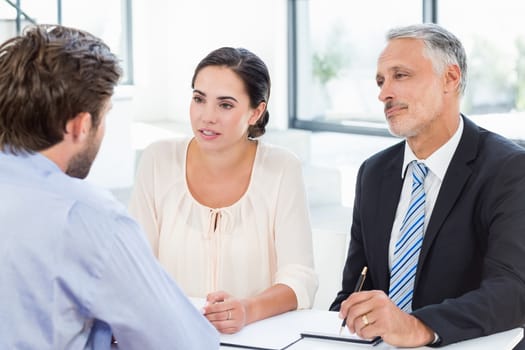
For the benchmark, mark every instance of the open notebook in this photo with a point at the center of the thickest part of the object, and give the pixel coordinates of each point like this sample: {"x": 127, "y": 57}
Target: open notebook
{"x": 281, "y": 331}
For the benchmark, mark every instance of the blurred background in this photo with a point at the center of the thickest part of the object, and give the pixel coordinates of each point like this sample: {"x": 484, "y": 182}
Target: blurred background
{"x": 322, "y": 59}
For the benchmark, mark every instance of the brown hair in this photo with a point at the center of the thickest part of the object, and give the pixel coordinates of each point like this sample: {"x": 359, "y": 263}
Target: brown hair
{"x": 48, "y": 75}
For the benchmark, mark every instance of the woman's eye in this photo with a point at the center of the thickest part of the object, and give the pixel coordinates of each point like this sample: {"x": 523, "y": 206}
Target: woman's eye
{"x": 197, "y": 99}
{"x": 226, "y": 106}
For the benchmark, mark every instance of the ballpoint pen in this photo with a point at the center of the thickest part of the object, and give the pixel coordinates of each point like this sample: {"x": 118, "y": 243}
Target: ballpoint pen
{"x": 358, "y": 287}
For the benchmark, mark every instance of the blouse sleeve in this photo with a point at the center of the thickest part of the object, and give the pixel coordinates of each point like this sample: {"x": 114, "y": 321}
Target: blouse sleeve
{"x": 142, "y": 202}
{"x": 293, "y": 236}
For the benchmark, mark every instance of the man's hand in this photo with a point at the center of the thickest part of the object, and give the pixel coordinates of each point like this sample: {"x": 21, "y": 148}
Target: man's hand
{"x": 372, "y": 313}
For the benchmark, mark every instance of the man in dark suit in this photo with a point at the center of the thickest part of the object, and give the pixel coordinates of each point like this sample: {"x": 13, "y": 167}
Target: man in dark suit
{"x": 464, "y": 188}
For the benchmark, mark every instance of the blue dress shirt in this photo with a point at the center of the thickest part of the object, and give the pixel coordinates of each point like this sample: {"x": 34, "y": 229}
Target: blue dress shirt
{"x": 75, "y": 268}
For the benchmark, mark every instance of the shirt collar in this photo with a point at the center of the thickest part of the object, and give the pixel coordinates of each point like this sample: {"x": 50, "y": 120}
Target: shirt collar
{"x": 438, "y": 161}
{"x": 37, "y": 161}
{"x": 44, "y": 163}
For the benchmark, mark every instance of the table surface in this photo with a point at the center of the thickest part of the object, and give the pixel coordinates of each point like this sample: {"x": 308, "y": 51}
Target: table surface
{"x": 500, "y": 341}
{"x": 280, "y": 331}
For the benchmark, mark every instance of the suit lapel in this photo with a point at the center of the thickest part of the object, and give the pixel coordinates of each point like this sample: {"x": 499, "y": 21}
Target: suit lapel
{"x": 389, "y": 193}
{"x": 457, "y": 174}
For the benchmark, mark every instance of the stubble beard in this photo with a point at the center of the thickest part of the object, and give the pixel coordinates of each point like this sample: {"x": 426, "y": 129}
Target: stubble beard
{"x": 80, "y": 165}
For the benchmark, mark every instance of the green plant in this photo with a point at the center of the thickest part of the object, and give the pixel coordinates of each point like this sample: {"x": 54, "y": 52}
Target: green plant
{"x": 330, "y": 62}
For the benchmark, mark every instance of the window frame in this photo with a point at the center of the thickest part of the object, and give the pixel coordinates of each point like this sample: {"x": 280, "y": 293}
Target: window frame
{"x": 364, "y": 128}
{"x": 127, "y": 28}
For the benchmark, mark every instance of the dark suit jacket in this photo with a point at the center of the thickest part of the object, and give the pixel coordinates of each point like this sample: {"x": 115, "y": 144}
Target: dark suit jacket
{"x": 470, "y": 278}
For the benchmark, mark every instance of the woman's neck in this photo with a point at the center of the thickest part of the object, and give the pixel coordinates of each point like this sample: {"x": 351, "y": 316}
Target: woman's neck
{"x": 224, "y": 160}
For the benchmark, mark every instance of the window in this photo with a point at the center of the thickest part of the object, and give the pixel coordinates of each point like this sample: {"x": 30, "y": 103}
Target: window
{"x": 495, "y": 43}
{"x": 335, "y": 44}
{"x": 336, "y": 48}
{"x": 109, "y": 20}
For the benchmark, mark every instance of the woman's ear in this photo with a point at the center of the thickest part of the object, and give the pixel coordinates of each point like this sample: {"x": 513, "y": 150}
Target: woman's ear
{"x": 257, "y": 113}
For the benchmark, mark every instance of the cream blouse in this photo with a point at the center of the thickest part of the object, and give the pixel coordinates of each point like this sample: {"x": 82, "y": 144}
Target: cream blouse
{"x": 263, "y": 239}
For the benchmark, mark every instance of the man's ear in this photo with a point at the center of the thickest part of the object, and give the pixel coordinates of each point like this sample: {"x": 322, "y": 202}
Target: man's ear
{"x": 452, "y": 78}
{"x": 78, "y": 128}
{"x": 257, "y": 113}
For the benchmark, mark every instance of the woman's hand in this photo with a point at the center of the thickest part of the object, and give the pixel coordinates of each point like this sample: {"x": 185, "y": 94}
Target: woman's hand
{"x": 226, "y": 313}
{"x": 229, "y": 314}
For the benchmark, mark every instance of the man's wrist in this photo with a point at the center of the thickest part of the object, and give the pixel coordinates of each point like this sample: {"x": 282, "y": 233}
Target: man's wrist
{"x": 427, "y": 334}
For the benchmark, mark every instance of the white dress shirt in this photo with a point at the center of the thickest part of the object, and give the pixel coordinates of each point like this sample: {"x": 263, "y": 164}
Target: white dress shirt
{"x": 73, "y": 262}
{"x": 437, "y": 165}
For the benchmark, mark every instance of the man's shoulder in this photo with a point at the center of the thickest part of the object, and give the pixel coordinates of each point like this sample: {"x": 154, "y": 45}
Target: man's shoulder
{"x": 96, "y": 216}
{"x": 487, "y": 151}
{"x": 498, "y": 145}
{"x": 488, "y": 143}
{"x": 386, "y": 155}
{"x": 87, "y": 195}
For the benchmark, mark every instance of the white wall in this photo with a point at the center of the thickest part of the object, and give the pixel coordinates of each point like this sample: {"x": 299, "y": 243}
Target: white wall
{"x": 171, "y": 37}
{"x": 115, "y": 162}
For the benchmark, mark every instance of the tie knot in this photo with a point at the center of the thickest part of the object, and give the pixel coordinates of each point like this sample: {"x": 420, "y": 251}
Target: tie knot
{"x": 419, "y": 171}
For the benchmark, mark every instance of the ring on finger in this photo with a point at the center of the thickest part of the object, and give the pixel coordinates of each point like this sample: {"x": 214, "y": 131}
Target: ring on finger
{"x": 365, "y": 320}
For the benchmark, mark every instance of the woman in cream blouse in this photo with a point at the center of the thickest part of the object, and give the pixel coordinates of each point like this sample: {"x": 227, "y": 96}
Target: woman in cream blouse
{"x": 226, "y": 214}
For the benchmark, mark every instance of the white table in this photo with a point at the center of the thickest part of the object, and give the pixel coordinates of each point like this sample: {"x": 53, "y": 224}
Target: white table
{"x": 280, "y": 331}
{"x": 500, "y": 341}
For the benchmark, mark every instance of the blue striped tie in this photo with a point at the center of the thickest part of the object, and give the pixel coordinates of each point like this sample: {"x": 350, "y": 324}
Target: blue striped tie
{"x": 407, "y": 248}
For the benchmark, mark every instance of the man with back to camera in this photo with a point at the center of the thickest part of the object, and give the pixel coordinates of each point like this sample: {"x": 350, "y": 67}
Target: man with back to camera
{"x": 439, "y": 219}
{"x": 74, "y": 267}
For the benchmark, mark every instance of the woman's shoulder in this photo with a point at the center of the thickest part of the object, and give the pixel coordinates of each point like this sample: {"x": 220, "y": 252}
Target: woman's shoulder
{"x": 164, "y": 157}
{"x": 272, "y": 160}
{"x": 167, "y": 149}
{"x": 277, "y": 154}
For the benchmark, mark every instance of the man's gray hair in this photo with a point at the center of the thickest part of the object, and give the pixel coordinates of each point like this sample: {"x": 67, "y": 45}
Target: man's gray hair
{"x": 441, "y": 47}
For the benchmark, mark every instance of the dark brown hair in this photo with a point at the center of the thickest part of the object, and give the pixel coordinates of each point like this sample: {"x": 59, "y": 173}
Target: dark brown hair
{"x": 252, "y": 71}
{"x": 48, "y": 75}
